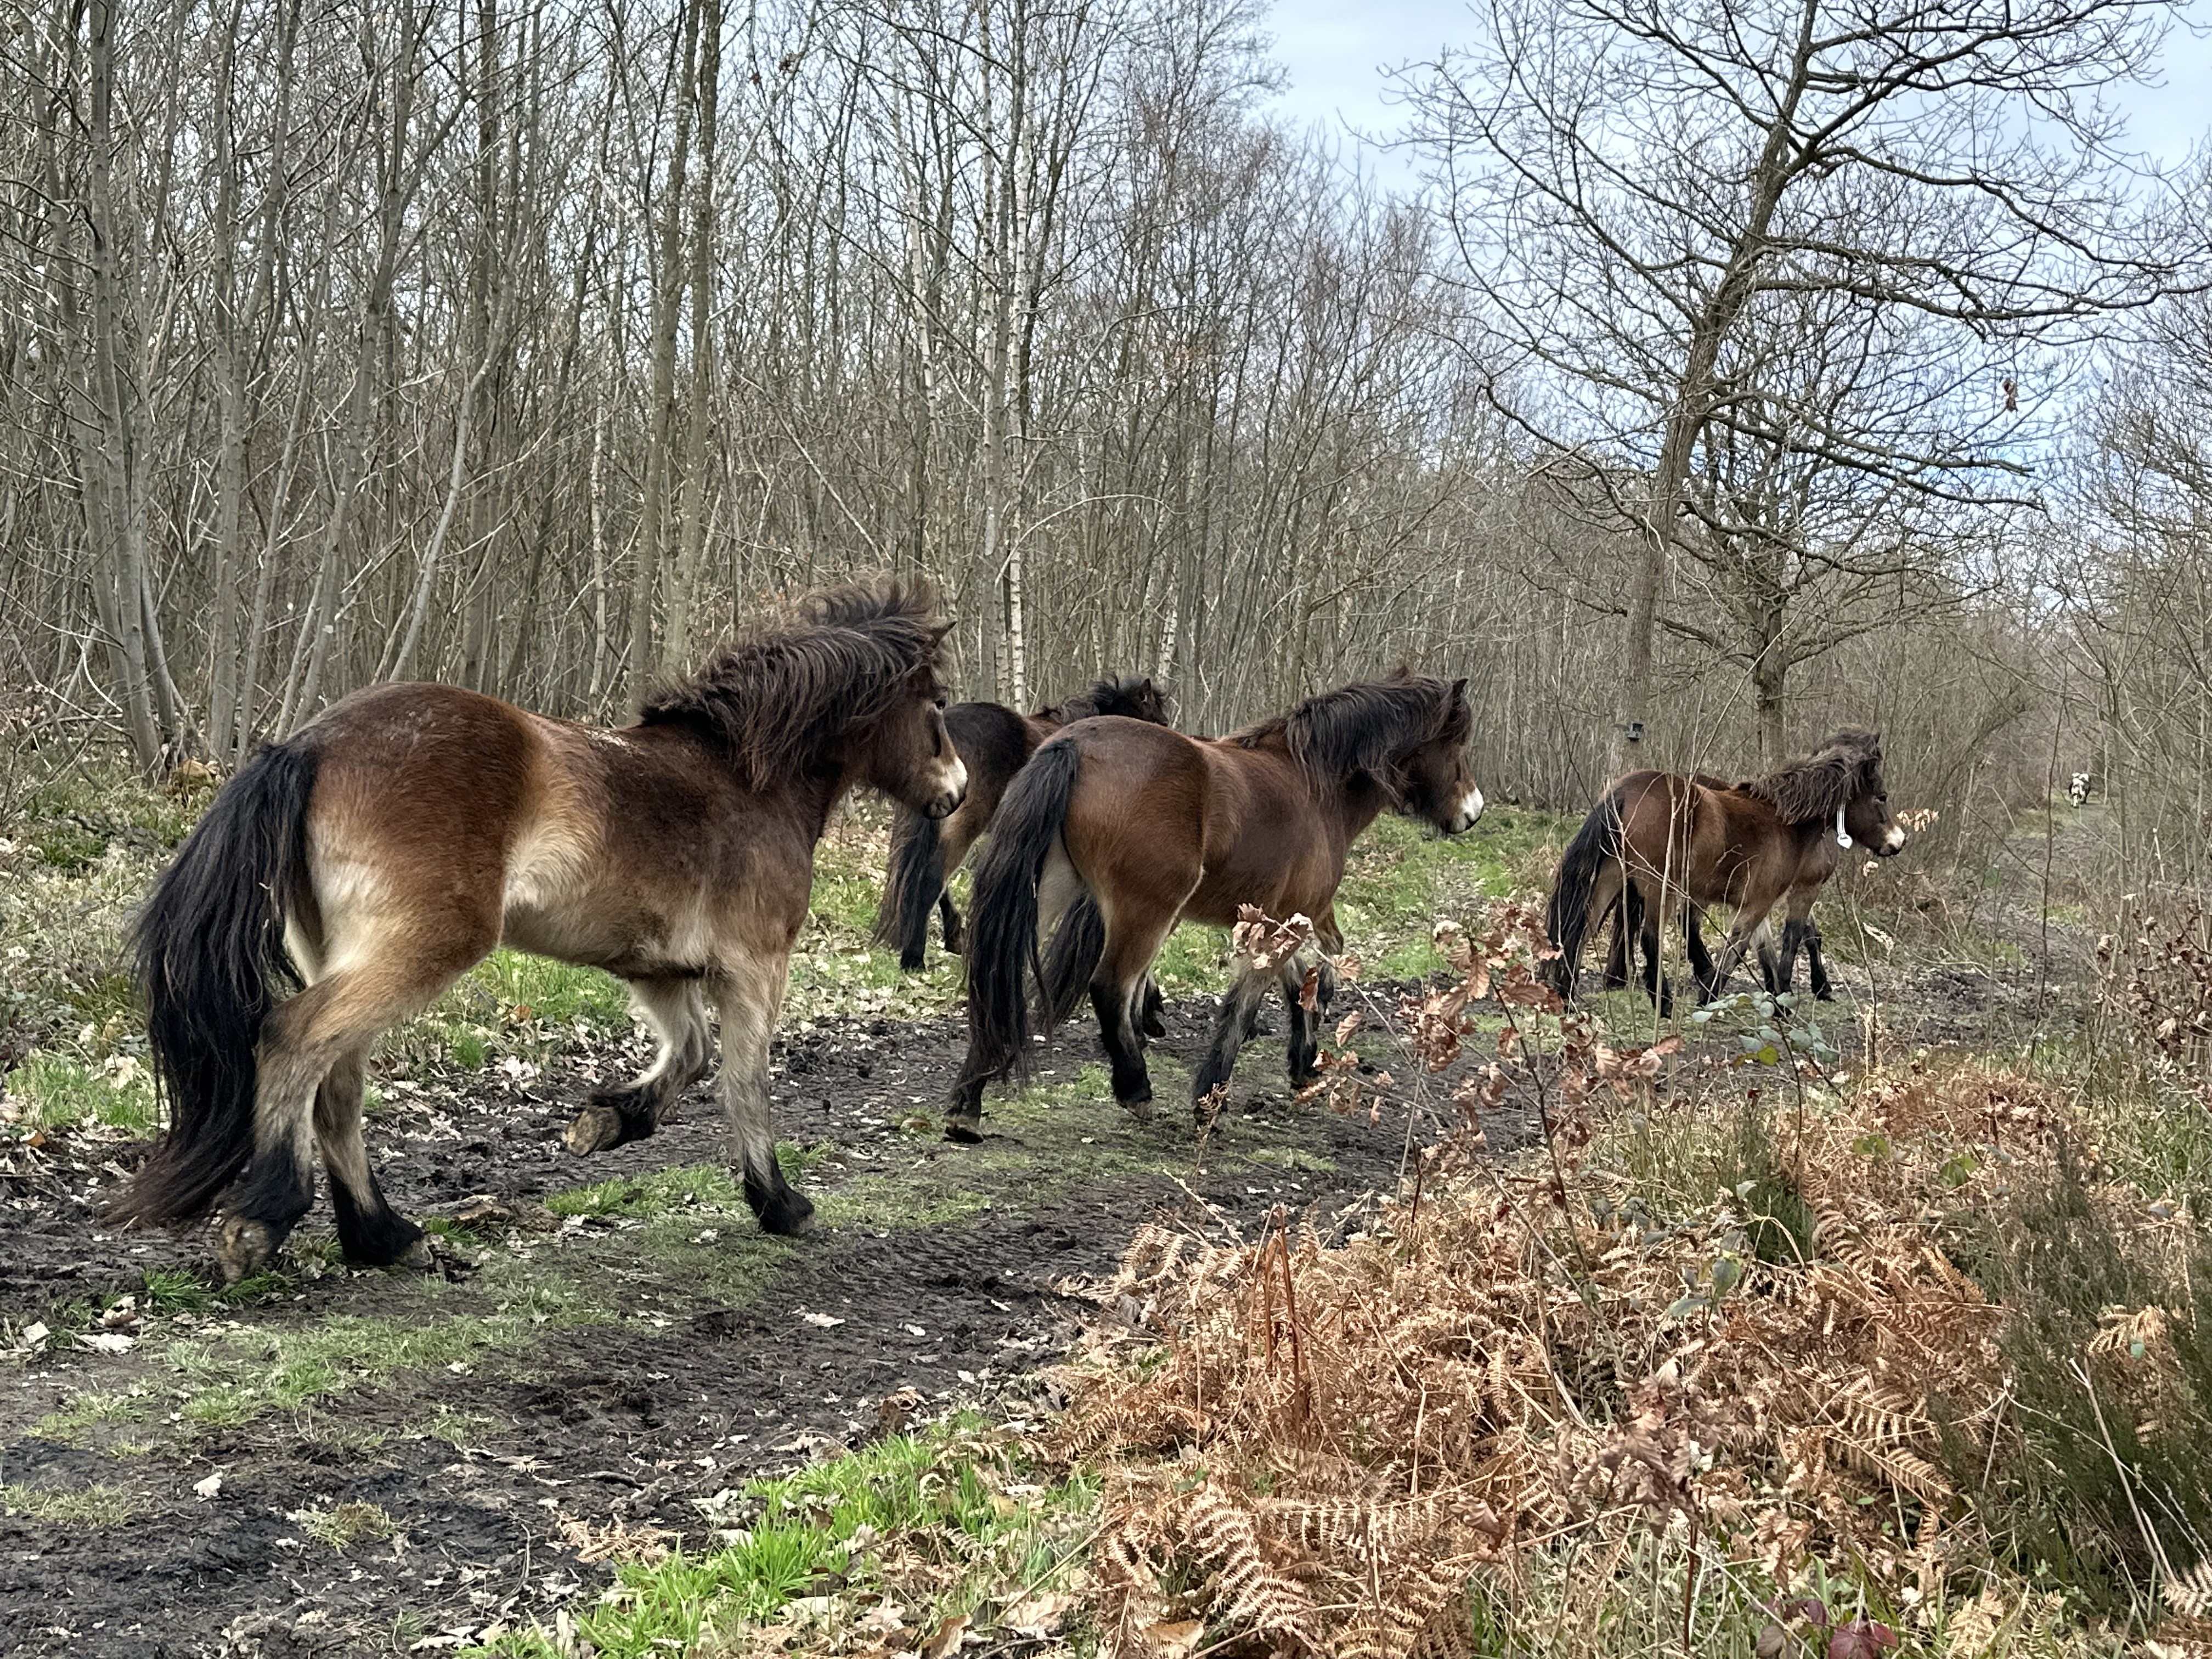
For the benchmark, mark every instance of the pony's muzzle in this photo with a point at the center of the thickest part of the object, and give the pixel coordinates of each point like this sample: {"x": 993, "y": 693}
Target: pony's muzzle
{"x": 947, "y": 801}
{"x": 1892, "y": 843}
{"x": 1470, "y": 809}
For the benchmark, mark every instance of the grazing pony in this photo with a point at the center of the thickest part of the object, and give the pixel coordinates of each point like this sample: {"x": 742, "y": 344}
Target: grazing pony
{"x": 371, "y": 858}
{"x": 1156, "y": 827}
{"x": 996, "y": 742}
{"x": 1659, "y": 845}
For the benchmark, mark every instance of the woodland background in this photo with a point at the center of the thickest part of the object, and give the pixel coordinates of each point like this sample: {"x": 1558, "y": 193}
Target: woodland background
{"x": 1743, "y": 369}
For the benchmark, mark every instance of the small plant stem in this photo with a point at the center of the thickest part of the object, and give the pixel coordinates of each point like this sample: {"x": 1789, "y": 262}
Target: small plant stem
{"x": 1690, "y": 1585}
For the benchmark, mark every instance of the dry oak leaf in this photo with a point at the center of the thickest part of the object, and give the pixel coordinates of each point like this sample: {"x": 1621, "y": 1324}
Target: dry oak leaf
{"x": 945, "y": 1639}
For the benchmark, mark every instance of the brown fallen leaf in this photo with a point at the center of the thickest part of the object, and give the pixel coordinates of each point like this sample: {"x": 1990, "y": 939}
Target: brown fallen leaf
{"x": 945, "y": 1639}
{"x": 1173, "y": 1641}
{"x": 896, "y": 1410}
{"x": 1040, "y": 1614}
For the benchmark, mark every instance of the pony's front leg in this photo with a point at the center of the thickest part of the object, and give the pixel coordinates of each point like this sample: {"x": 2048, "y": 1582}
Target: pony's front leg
{"x": 1816, "y": 964}
{"x": 632, "y": 1111}
{"x": 1627, "y": 924}
{"x": 1701, "y": 959}
{"x": 747, "y": 1001}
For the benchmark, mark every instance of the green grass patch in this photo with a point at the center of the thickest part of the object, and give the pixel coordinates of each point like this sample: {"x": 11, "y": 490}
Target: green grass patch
{"x": 514, "y": 1004}
{"x": 173, "y": 1291}
{"x": 655, "y": 1193}
{"x": 89, "y": 1411}
{"x": 87, "y": 1506}
{"x": 63, "y": 1091}
{"x": 941, "y": 1497}
{"x": 230, "y": 1379}
{"x": 343, "y": 1525}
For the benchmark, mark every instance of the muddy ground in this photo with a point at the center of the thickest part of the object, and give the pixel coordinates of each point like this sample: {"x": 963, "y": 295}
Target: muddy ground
{"x": 610, "y": 1343}
{"x": 612, "y": 1366}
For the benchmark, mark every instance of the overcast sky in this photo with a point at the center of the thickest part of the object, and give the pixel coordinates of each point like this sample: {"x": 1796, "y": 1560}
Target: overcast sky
{"x": 1334, "y": 52}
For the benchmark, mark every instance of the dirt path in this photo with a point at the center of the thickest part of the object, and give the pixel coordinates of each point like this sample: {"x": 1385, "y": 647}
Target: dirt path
{"x": 614, "y": 1360}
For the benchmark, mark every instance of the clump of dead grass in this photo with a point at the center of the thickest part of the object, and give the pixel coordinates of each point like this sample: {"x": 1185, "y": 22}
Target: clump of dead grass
{"x": 1312, "y": 1445}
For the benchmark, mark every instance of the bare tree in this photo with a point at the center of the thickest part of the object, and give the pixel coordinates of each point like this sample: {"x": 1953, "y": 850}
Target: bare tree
{"x": 1628, "y": 183}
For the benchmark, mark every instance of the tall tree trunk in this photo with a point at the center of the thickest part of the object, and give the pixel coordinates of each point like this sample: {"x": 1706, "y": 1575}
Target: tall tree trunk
{"x": 668, "y": 299}
{"x": 117, "y": 449}
{"x": 676, "y": 648}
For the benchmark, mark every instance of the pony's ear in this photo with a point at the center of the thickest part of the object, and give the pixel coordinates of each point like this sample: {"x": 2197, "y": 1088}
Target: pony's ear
{"x": 937, "y": 631}
{"x": 1459, "y": 690}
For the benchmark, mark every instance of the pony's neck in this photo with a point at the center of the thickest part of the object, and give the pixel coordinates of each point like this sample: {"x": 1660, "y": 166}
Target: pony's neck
{"x": 815, "y": 794}
{"x": 1353, "y": 803}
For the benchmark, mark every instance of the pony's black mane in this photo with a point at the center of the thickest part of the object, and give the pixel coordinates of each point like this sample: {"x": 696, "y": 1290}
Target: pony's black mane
{"x": 778, "y": 699}
{"x": 1816, "y": 787}
{"x": 1369, "y": 727}
{"x": 1132, "y": 695}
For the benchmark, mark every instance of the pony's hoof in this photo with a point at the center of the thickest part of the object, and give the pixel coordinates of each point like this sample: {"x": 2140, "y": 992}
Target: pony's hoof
{"x": 911, "y": 963}
{"x": 599, "y": 1128}
{"x": 386, "y": 1241}
{"x": 966, "y": 1130}
{"x": 244, "y": 1248}
{"x": 787, "y": 1215}
{"x": 1140, "y": 1106}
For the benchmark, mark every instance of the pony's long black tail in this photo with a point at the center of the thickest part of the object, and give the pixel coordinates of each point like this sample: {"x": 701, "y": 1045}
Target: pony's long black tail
{"x": 210, "y": 959}
{"x": 1002, "y": 924}
{"x": 917, "y": 877}
{"x": 1071, "y": 957}
{"x": 1567, "y": 917}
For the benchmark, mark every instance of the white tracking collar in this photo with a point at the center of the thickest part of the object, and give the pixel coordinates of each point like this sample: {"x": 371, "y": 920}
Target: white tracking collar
{"x": 1843, "y": 835}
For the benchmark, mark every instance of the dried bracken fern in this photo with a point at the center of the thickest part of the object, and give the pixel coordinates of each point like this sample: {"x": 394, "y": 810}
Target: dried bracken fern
{"x": 1326, "y": 1440}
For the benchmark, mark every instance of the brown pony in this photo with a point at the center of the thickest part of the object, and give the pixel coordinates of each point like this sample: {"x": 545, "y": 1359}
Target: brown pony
{"x": 1157, "y": 827}
{"x": 1659, "y": 845}
{"x": 996, "y": 742}
{"x": 372, "y": 858}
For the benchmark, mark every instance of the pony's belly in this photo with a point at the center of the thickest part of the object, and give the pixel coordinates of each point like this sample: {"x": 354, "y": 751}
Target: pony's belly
{"x": 627, "y": 942}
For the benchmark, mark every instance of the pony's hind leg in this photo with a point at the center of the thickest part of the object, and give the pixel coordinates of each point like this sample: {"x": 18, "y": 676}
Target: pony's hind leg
{"x": 948, "y": 915}
{"x": 632, "y": 1111}
{"x": 1116, "y": 991}
{"x": 302, "y": 1042}
{"x": 1303, "y": 1043}
{"x": 1639, "y": 921}
{"x": 747, "y": 1002}
{"x": 371, "y": 1232}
